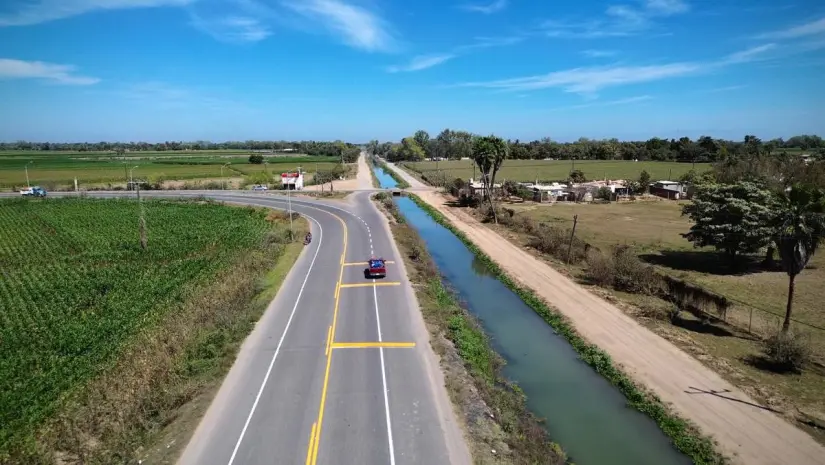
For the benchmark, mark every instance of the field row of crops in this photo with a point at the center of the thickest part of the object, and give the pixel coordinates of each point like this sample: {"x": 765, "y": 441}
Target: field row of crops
{"x": 75, "y": 286}
{"x": 558, "y": 170}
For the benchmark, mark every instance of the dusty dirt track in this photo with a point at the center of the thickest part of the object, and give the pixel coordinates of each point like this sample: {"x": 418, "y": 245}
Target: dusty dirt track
{"x": 749, "y": 434}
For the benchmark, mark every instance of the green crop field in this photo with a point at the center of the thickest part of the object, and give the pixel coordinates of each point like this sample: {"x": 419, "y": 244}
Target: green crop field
{"x": 76, "y": 287}
{"x": 56, "y": 170}
{"x": 557, "y": 170}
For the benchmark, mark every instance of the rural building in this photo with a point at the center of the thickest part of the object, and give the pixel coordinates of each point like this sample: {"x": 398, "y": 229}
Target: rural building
{"x": 672, "y": 190}
{"x": 549, "y": 192}
{"x": 292, "y": 181}
{"x": 477, "y": 187}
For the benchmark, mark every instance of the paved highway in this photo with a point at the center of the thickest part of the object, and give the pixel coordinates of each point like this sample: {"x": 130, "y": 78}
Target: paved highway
{"x": 339, "y": 369}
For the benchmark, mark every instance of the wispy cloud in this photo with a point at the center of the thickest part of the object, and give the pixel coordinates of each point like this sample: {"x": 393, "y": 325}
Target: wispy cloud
{"x": 617, "y": 20}
{"x": 813, "y": 28}
{"x": 588, "y": 81}
{"x": 356, "y": 26}
{"x": 607, "y": 103}
{"x": 232, "y": 28}
{"x": 63, "y": 74}
{"x": 421, "y": 62}
{"x": 749, "y": 54}
{"x": 26, "y": 13}
{"x": 167, "y": 96}
{"x": 487, "y": 42}
{"x": 486, "y": 8}
{"x": 599, "y": 53}
{"x": 717, "y": 90}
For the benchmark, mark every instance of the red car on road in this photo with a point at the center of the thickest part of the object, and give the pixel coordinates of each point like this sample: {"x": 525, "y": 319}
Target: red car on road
{"x": 377, "y": 268}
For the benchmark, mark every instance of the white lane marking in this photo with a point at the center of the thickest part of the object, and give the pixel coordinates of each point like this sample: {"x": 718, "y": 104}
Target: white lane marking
{"x": 384, "y": 377}
{"x": 281, "y": 341}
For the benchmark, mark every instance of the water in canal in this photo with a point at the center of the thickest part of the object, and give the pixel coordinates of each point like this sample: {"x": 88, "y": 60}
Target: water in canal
{"x": 584, "y": 413}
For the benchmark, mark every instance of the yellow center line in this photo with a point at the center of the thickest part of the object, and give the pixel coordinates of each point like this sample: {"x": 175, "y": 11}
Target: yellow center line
{"x": 329, "y": 340}
{"x": 311, "y": 443}
{"x": 312, "y": 450}
{"x": 364, "y": 345}
{"x": 379, "y": 283}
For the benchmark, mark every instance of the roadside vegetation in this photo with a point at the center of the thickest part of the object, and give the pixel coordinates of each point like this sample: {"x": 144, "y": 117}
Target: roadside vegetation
{"x": 731, "y": 276}
{"x": 492, "y": 409}
{"x": 110, "y": 330}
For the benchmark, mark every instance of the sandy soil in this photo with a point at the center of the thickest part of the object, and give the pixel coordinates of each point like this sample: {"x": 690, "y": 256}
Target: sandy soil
{"x": 362, "y": 179}
{"x": 745, "y": 431}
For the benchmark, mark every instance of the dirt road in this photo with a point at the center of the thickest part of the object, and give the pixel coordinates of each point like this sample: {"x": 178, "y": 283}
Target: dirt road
{"x": 362, "y": 180}
{"x": 746, "y": 432}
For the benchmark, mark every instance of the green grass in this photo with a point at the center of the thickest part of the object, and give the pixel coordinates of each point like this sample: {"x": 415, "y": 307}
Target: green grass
{"x": 77, "y": 289}
{"x": 59, "y": 170}
{"x": 557, "y": 170}
{"x": 683, "y": 435}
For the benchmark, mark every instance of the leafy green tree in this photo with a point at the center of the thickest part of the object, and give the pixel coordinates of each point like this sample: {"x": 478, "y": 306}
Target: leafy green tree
{"x": 577, "y": 176}
{"x": 644, "y": 181}
{"x": 489, "y": 153}
{"x": 800, "y": 221}
{"x": 256, "y": 159}
{"x": 422, "y": 138}
{"x": 733, "y": 218}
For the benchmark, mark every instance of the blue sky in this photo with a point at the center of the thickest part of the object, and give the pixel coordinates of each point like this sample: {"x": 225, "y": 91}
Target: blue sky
{"x": 89, "y": 70}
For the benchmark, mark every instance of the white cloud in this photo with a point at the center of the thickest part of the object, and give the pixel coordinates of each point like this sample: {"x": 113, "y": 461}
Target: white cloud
{"x": 667, "y": 7}
{"x": 26, "y": 13}
{"x": 356, "y": 26}
{"x": 599, "y": 53}
{"x": 617, "y": 21}
{"x": 749, "y": 54}
{"x": 486, "y": 8}
{"x": 63, "y": 74}
{"x": 588, "y": 81}
{"x": 812, "y": 28}
{"x": 421, "y": 62}
{"x": 232, "y": 28}
{"x": 487, "y": 42}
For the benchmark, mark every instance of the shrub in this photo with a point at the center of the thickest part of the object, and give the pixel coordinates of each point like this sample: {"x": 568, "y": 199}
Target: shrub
{"x": 256, "y": 159}
{"x": 634, "y": 276}
{"x": 787, "y": 351}
{"x": 601, "y": 269}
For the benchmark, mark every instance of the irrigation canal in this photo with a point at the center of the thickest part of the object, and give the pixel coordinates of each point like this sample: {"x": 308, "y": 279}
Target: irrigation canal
{"x": 584, "y": 413}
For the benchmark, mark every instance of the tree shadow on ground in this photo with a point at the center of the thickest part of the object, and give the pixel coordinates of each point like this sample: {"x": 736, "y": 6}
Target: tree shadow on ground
{"x": 707, "y": 262}
{"x": 701, "y": 323}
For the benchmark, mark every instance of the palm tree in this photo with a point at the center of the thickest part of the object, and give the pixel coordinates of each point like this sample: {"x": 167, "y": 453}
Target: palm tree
{"x": 489, "y": 152}
{"x": 801, "y": 227}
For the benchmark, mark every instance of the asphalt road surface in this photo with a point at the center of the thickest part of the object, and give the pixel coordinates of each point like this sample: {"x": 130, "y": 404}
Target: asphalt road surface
{"x": 338, "y": 370}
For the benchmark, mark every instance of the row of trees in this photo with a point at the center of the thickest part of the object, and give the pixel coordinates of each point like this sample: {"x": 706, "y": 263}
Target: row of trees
{"x": 307, "y": 147}
{"x": 455, "y": 145}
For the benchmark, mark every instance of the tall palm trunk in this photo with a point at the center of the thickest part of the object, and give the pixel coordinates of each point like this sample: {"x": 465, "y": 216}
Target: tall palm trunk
{"x": 787, "y": 323}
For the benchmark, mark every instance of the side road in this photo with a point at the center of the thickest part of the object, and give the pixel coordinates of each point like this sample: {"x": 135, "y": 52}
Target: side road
{"x": 744, "y": 431}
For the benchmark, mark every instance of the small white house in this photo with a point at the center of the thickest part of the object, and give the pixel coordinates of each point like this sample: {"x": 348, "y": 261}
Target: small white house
{"x": 293, "y": 180}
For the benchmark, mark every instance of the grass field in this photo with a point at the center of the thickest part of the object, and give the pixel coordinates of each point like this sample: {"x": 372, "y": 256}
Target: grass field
{"x": 77, "y": 290}
{"x": 558, "y": 170}
{"x": 56, "y": 170}
{"x": 653, "y": 229}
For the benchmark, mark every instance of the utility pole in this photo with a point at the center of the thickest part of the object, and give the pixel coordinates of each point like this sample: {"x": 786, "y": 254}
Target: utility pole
{"x": 289, "y": 202}
{"x": 27, "y": 173}
{"x": 132, "y": 179}
{"x": 572, "y": 235}
{"x": 223, "y": 184}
